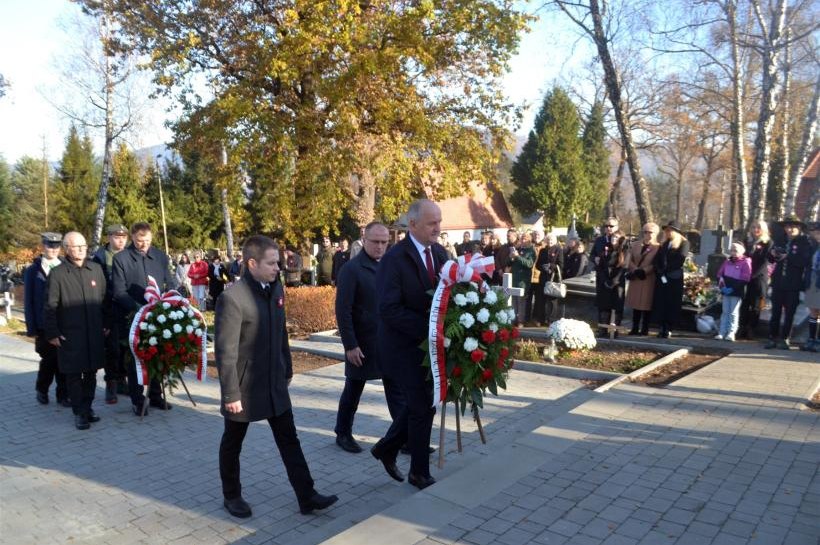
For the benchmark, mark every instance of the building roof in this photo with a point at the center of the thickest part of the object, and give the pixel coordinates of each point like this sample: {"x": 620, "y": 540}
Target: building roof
{"x": 482, "y": 209}
{"x": 812, "y": 165}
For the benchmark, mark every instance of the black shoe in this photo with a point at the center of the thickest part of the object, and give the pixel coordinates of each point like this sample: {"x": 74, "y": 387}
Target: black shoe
{"x": 389, "y": 465}
{"x": 770, "y": 344}
{"x": 634, "y": 331}
{"x": 64, "y": 402}
{"x": 160, "y": 404}
{"x": 111, "y": 392}
{"x": 420, "y": 482}
{"x": 238, "y": 507}
{"x": 92, "y": 416}
{"x": 81, "y": 422}
{"x": 137, "y": 410}
{"x": 784, "y": 344}
{"x": 348, "y": 444}
{"x": 42, "y": 398}
{"x": 405, "y": 450}
{"x": 316, "y": 502}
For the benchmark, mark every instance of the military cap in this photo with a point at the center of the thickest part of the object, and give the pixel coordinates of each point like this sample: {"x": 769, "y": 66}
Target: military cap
{"x": 51, "y": 239}
{"x": 116, "y": 229}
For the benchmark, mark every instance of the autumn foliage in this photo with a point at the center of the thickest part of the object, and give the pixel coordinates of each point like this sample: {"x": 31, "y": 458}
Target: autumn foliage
{"x": 310, "y": 309}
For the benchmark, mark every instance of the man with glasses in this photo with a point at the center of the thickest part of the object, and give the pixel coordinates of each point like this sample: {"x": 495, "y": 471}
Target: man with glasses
{"x": 75, "y": 318}
{"x": 35, "y": 280}
{"x": 356, "y": 316}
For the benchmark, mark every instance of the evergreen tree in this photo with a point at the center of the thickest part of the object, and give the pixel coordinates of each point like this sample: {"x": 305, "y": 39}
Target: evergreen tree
{"x": 27, "y": 202}
{"x": 596, "y": 161}
{"x": 75, "y": 195}
{"x": 192, "y": 204}
{"x": 549, "y": 173}
{"x": 126, "y": 194}
{"x": 6, "y": 204}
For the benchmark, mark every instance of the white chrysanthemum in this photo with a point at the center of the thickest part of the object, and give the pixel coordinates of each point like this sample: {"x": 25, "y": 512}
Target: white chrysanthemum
{"x": 491, "y": 298}
{"x": 502, "y": 318}
{"x": 493, "y": 327}
{"x": 572, "y": 334}
{"x": 447, "y": 342}
{"x": 166, "y": 306}
{"x": 177, "y": 328}
{"x": 466, "y": 320}
{"x": 166, "y": 333}
{"x": 198, "y": 332}
{"x": 189, "y": 329}
{"x": 191, "y": 313}
{"x": 162, "y": 319}
{"x": 474, "y": 285}
{"x": 195, "y": 323}
{"x": 511, "y": 314}
{"x": 151, "y": 328}
{"x": 143, "y": 326}
{"x": 470, "y": 344}
{"x": 483, "y": 315}
{"x": 152, "y": 341}
{"x": 460, "y": 300}
{"x": 472, "y": 297}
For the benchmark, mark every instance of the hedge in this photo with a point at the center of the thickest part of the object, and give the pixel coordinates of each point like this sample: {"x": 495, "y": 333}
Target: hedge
{"x": 310, "y": 309}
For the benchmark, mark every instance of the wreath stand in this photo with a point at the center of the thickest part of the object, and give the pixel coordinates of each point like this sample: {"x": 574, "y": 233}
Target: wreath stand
{"x": 163, "y": 383}
{"x": 477, "y": 419}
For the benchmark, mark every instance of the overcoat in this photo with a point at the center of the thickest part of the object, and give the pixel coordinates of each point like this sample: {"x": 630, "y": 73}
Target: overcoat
{"x": 758, "y": 250}
{"x": 357, "y": 314}
{"x": 76, "y": 308}
{"x": 521, "y": 267}
{"x": 130, "y": 276}
{"x": 640, "y": 292}
{"x": 668, "y": 298}
{"x": 34, "y": 295}
{"x": 791, "y": 264}
{"x": 252, "y": 350}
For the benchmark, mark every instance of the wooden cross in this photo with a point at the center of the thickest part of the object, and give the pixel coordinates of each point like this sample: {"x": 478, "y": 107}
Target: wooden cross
{"x": 611, "y": 327}
{"x": 508, "y": 289}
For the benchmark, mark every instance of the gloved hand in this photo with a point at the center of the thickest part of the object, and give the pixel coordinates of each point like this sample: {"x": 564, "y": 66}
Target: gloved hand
{"x": 725, "y": 290}
{"x": 640, "y": 274}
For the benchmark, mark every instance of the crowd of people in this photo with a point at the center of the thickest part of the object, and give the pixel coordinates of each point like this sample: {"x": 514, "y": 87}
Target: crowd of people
{"x": 79, "y": 309}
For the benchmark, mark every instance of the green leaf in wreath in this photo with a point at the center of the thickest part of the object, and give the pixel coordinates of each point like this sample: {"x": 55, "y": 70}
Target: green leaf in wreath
{"x": 493, "y": 388}
{"x": 477, "y": 397}
{"x": 501, "y": 382}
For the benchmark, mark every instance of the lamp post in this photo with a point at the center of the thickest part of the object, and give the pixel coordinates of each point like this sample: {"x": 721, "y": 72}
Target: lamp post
{"x": 161, "y": 203}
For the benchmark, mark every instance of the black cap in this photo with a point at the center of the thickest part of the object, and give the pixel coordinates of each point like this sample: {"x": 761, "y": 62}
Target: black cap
{"x": 792, "y": 220}
{"x": 51, "y": 239}
{"x": 673, "y": 225}
{"x": 116, "y": 229}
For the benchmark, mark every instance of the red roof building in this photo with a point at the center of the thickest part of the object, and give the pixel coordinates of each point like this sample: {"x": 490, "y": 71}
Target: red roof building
{"x": 809, "y": 186}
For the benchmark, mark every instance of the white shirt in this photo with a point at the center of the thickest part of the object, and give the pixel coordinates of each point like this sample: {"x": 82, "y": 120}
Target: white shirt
{"x": 420, "y": 248}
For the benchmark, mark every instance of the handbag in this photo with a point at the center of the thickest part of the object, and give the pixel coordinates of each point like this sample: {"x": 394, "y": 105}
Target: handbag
{"x": 556, "y": 289}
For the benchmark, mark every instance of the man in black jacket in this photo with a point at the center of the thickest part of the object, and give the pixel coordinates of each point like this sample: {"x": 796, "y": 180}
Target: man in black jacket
{"x": 356, "y": 311}
{"x": 255, "y": 369}
{"x": 131, "y": 269}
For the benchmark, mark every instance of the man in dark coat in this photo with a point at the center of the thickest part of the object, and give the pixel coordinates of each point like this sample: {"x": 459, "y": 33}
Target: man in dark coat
{"x": 75, "y": 323}
{"x": 115, "y": 371}
{"x": 324, "y": 266}
{"x": 356, "y": 316}
{"x": 792, "y": 258}
{"x": 254, "y": 363}
{"x": 35, "y": 280}
{"x": 340, "y": 258}
{"x": 404, "y": 281}
{"x": 131, "y": 268}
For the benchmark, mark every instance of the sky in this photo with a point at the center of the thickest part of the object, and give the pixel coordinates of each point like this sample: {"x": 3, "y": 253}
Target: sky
{"x": 32, "y": 36}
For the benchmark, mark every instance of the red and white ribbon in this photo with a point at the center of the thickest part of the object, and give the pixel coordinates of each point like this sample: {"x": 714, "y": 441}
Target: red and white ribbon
{"x": 468, "y": 268}
{"x": 153, "y": 298}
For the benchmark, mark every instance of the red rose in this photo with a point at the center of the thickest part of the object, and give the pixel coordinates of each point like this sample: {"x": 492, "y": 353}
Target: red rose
{"x": 457, "y": 371}
{"x": 515, "y": 333}
{"x": 476, "y": 355}
{"x": 487, "y": 374}
{"x": 504, "y": 334}
{"x": 488, "y": 337}
{"x": 153, "y": 350}
{"x": 191, "y": 337}
{"x": 504, "y": 352}
{"x": 501, "y": 363}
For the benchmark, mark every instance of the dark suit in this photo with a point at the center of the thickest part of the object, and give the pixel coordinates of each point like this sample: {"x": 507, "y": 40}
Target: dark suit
{"x": 404, "y": 288}
{"x": 254, "y": 363}
{"x": 130, "y": 271}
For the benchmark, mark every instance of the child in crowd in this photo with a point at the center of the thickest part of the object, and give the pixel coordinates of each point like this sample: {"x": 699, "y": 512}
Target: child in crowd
{"x": 733, "y": 277}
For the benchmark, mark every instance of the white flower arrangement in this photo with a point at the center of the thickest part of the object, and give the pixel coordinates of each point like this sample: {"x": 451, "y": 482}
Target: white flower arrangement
{"x": 166, "y": 333}
{"x": 466, "y": 320}
{"x": 143, "y": 326}
{"x": 166, "y": 306}
{"x": 152, "y": 341}
{"x": 572, "y": 334}
{"x": 189, "y": 329}
{"x": 483, "y": 315}
{"x": 460, "y": 300}
{"x": 493, "y": 327}
{"x": 472, "y": 297}
{"x": 470, "y": 344}
{"x": 177, "y": 328}
{"x": 162, "y": 319}
{"x": 510, "y": 314}
{"x": 502, "y": 318}
{"x": 151, "y": 328}
{"x": 490, "y": 298}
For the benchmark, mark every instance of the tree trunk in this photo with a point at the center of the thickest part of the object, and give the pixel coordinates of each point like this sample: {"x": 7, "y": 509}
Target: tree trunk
{"x": 796, "y": 173}
{"x": 704, "y": 197}
{"x": 102, "y": 194}
{"x": 613, "y": 86}
{"x": 783, "y": 182}
{"x": 615, "y": 190}
{"x": 739, "y": 202}
{"x": 769, "y": 89}
{"x": 226, "y": 210}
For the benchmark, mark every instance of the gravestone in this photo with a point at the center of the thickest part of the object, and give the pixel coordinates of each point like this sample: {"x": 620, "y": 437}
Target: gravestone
{"x": 509, "y": 290}
{"x": 709, "y": 242}
{"x": 722, "y": 241}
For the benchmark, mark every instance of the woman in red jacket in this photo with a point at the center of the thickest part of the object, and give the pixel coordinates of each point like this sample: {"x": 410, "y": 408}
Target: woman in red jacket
{"x": 198, "y": 273}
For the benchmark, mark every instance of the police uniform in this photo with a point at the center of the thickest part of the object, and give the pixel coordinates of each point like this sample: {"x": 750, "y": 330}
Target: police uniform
{"x": 788, "y": 280}
{"x": 35, "y": 279}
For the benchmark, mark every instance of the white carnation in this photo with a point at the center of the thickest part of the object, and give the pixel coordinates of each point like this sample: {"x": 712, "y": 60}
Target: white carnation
{"x": 152, "y": 341}
{"x": 161, "y": 318}
{"x": 177, "y": 328}
{"x": 472, "y": 297}
{"x": 502, "y": 318}
{"x": 493, "y": 327}
{"x": 483, "y": 315}
{"x": 198, "y": 332}
{"x": 143, "y": 326}
{"x": 447, "y": 342}
{"x": 191, "y": 313}
{"x": 490, "y": 298}
{"x": 166, "y": 306}
{"x": 166, "y": 333}
{"x": 151, "y": 328}
{"x": 195, "y": 323}
{"x": 460, "y": 300}
{"x": 511, "y": 314}
{"x": 466, "y": 320}
{"x": 470, "y": 344}
{"x": 189, "y": 329}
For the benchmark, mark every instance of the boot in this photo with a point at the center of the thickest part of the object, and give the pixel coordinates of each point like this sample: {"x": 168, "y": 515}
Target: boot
{"x": 110, "y": 392}
{"x": 636, "y": 322}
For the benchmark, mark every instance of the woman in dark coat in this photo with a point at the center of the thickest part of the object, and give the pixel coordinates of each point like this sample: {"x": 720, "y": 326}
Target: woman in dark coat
{"x": 758, "y": 246}
{"x": 668, "y": 264}
{"x": 550, "y": 265}
{"x": 609, "y": 280}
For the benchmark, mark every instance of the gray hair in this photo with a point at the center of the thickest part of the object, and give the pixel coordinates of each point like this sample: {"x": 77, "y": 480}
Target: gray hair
{"x": 414, "y": 212}
{"x": 71, "y": 234}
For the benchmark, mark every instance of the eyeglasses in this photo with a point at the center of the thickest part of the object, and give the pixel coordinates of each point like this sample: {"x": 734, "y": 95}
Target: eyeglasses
{"x": 611, "y": 226}
{"x": 648, "y": 232}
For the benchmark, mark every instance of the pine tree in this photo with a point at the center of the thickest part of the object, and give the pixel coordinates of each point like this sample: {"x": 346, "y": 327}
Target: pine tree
{"x": 27, "y": 202}
{"x": 6, "y": 203}
{"x": 549, "y": 173}
{"x": 75, "y": 195}
{"x": 126, "y": 195}
{"x": 596, "y": 161}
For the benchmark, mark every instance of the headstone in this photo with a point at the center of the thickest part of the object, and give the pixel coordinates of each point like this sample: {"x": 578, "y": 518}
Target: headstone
{"x": 509, "y": 290}
{"x": 722, "y": 241}
{"x": 708, "y": 244}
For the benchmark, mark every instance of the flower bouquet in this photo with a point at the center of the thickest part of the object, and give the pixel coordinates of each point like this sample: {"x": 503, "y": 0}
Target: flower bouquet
{"x": 167, "y": 334}
{"x": 698, "y": 290}
{"x": 571, "y": 334}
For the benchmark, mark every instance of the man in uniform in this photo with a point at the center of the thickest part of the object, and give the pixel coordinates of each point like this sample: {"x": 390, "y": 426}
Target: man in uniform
{"x": 35, "y": 292}
{"x": 115, "y": 372}
{"x": 131, "y": 268}
{"x": 324, "y": 271}
{"x": 75, "y": 324}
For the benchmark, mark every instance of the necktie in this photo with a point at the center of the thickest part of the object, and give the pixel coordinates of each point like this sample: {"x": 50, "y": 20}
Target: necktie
{"x": 429, "y": 262}
{"x": 266, "y": 289}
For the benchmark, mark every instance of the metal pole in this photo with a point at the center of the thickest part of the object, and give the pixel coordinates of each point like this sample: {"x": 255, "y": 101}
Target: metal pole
{"x": 161, "y": 204}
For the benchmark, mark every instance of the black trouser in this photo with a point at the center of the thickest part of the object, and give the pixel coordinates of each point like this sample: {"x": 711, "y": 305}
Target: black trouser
{"x": 787, "y": 301}
{"x": 637, "y": 316}
{"x": 348, "y": 404}
{"x": 531, "y": 291}
{"x": 411, "y": 426}
{"x": 751, "y": 304}
{"x": 48, "y": 370}
{"x": 81, "y": 388}
{"x": 114, "y": 357}
{"x": 284, "y": 433}
{"x": 136, "y": 390}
